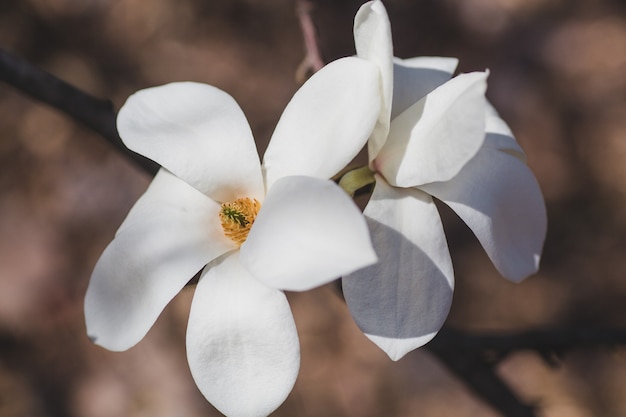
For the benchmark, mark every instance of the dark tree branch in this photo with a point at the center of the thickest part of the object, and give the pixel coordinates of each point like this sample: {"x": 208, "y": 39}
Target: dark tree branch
{"x": 94, "y": 113}
{"x": 472, "y": 357}
{"x": 468, "y": 363}
{"x": 543, "y": 340}
{"x": 550, "y": 343}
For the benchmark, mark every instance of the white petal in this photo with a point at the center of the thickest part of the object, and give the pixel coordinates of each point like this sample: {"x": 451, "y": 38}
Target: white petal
{"x": 372, "y": 38}
{"x": 242, "y": 343}
{"x": 413, "y": 78}
{"x": 498, "y": 197}
{"x": 402, "y": 301}
{"x": 439, "y": 63}
{"x": 307, "y": 233}
{"x": 326, "y": 123}
{"x": 199, "y": 133}
{"x": 499, "y": 133}
{"x": 168, "y": 236}
{"x": 434, "y": 138}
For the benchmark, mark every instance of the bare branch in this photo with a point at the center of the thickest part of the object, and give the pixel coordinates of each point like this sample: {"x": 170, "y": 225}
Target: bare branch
{"x": 550, "y": 343}
{"x": 94, "y": 113}
{"x": 313, "y": 60}
{"x": 472, "y": 357}
{"x": 470, "y": 366}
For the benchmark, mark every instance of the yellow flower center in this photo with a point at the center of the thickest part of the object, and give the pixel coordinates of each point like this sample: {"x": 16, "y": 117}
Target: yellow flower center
{"x": 237, "y": 218}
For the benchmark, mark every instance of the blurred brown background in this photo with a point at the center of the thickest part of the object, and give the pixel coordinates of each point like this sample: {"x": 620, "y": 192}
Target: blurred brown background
{"x": 558, "y": 76}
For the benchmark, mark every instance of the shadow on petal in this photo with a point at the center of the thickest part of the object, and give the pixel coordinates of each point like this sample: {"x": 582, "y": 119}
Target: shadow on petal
{"x": 411, "y": 84}
{"x": 405, "y": 295}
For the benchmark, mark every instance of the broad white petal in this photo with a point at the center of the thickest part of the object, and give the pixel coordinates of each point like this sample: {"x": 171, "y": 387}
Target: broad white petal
{"x": 402, "y": 301}
{"x": 372, "y": 38}
{"x": 242, "y": 343}
{"x": 498, "y": 197}
{"x": 326, "y": 123}
{"x": 308, "y": 232}
{"x": 199, "y": 133}
{"x": 169, "y": 235}
{"x": 434, "y": 138}
{"x": 413, "y": 78}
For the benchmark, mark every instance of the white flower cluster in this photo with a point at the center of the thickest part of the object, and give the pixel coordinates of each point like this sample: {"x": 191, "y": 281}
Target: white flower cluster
{"x": 256, "y": 229}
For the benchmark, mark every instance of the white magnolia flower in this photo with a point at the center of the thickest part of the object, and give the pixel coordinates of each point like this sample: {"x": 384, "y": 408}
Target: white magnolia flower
{"x": 259, "y": 229}
{"x": 435, "y": 137}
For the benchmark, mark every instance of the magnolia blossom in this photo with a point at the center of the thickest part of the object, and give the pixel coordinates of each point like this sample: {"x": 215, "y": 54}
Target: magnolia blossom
{"x": 253, "y": 230}
{"x": 435, "y": 137}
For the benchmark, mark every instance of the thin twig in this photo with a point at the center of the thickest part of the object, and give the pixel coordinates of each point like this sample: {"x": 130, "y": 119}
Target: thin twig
{"x": 313, "y": 60}
{"x": 94, "y": 113}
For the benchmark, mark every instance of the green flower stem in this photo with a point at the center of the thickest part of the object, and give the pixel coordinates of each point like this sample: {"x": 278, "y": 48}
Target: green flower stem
{"x": 356, "y": 179}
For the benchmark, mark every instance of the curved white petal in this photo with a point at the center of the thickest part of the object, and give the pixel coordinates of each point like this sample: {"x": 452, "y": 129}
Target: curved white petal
{"x": 498, "y": 197}
{"x": 413, "y": 78}
{"x": 199, "y": 133}
{"x": 169, "y": 235}
{"x": 307, "y": 233}
{"x": 372, "y": 38}
{"x": 434, "y": 138}
{"x": 326, "y": 123}
{"x": 402, "y": 301}
{"x": 242, "y": 343}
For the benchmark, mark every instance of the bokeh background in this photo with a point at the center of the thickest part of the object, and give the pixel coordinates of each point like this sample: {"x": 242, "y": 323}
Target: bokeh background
{"x": 558, "y": 76}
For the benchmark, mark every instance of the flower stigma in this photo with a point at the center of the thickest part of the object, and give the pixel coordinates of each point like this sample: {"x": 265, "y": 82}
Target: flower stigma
{"x": 237, "y": 218}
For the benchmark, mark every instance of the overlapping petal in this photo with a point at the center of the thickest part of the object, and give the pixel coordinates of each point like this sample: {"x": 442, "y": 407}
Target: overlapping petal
{"x": 498, "y": 197}
{"x": 242, "y": 343}
{"x": 372, "y": 38}
{"x": 154, "y": 254}
{"x": 413, "y": 78}
{"x": 434, "y": 138}
{"x": 199, "y": 133}
{"x": 326, "y": 123}
{"x": 307, "y": 233}
{"x": 402, "y": 301}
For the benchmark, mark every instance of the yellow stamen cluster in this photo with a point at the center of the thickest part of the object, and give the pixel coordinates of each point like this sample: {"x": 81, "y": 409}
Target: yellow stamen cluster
{"x": 237, "y": 218}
